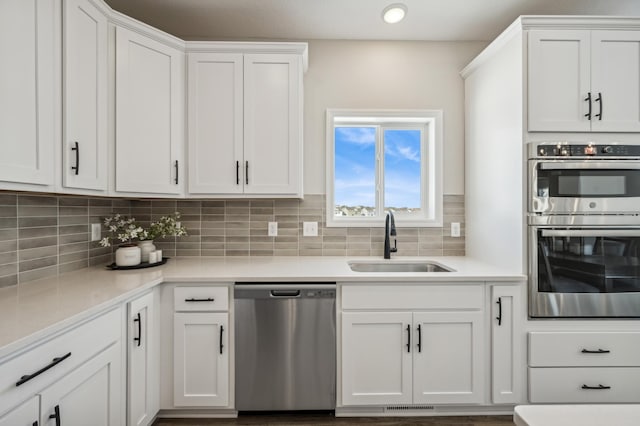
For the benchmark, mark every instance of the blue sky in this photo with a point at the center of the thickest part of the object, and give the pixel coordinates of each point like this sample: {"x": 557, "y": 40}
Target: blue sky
{"x": 355, "y": 167}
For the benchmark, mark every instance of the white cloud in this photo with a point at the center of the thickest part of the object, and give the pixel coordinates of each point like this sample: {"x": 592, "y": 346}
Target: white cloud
{"x": 402, "y": 151}
{"x": 409, "y": 153}
{"x": 357, "y": 135}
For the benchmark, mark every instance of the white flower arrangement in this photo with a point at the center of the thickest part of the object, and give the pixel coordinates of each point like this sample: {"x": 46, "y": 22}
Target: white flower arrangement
{"x": 121, "y": 228}
{"x": 125, "y": 229}
{"x": 166, "y": 226}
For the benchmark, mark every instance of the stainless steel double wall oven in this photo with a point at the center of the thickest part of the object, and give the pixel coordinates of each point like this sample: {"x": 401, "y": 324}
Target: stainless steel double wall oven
{"x": 584, "y": 230}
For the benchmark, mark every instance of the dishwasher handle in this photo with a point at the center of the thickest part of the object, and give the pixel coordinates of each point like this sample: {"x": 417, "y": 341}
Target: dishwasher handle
{"x": 285, "y": 293}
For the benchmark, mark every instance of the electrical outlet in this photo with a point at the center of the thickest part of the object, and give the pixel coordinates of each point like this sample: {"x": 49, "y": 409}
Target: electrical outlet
{"x": 95, "y": 231}
{"x": 310, "y": 229}
{"x": 455, "y": 229}
{"x": 272, "y": 231}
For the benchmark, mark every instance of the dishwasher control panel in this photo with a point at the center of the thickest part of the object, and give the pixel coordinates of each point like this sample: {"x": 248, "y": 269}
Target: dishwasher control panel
{"x": 319, "y": 293}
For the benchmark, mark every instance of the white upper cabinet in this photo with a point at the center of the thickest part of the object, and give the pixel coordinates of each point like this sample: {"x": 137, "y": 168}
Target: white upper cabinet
{"x": 149, "y": 115}
{"x": 28, "y": 82}
{"x": 245, "y": 123}
{"x": 85, "y": 155}
{"x": 581, "y": 81}
{"x": 215, "y": 120}
{"x": 615, "y": 79}
{"x": 273, "y": 124}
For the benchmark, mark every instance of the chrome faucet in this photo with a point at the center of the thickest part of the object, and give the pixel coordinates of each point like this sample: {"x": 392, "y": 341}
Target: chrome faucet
{"x": 389, "y": 231}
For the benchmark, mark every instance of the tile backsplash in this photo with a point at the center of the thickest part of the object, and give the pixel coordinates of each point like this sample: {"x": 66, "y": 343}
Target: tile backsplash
{"x": 44, "y": 235}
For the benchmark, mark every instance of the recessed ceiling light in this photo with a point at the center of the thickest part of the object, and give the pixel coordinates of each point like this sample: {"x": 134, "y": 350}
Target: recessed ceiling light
{"x": 394, "y": 13}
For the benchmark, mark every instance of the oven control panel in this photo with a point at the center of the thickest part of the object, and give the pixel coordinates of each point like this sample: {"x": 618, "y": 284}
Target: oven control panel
{"x": 585, "y": 150}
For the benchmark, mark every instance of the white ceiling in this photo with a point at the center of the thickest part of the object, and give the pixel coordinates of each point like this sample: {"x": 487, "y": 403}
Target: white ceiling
{"x": 352, "y": 19}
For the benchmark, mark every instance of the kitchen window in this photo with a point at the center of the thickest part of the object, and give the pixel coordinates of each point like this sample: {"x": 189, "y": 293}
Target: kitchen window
{"x": 380, "y": 160}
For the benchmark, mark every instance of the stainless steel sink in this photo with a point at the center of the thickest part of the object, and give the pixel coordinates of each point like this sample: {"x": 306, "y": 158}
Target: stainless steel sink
{"x": 398, "y": 267}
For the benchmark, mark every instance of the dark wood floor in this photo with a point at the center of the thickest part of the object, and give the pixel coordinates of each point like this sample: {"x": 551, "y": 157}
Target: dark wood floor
{"x": 325, "y": 419}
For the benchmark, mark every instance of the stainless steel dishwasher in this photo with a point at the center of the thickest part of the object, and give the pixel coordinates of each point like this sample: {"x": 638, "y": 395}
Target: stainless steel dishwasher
{"x": 285, "y": 345}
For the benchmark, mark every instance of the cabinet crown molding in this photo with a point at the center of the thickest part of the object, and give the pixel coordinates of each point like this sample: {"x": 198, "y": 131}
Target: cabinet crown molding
{"x": 547, "y": 22}
{"x": 297, "y": 48}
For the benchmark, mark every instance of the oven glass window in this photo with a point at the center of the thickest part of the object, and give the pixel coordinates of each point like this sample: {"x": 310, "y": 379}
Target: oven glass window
{"x": 585, "y": 264}
{"x": 589, "y": 183}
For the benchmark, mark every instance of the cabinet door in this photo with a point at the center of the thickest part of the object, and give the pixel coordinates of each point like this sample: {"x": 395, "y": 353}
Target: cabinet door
{"x": 506, "y": 349}
{"x": 376, "y": 358}
{"x": 149, "y": 115}
{"x": 215, "y": 87}
{"x": 28, "y": 79}
{"x": 88, "y": 395}
{"x": 201, "y": 360}
{"x": 559, "y": 80}
{"x": 272, "y": 124}
{"x": 26, "y": 414}
{"x": 85, "y": 98}
{"x": 615, "y": 80}
{"x": 142, "y": 352}
{"x": 447, "y": 364}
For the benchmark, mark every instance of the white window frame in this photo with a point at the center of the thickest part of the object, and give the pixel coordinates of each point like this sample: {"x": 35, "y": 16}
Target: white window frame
{"x": 431, "y": 124}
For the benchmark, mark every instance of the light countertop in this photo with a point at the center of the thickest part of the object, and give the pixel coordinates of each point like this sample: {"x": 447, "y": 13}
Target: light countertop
{"x": 33, "y": 310}
{"x": 577, "y": 415}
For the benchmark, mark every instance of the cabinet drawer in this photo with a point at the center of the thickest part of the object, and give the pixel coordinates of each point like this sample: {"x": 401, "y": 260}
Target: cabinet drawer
{"x": 82, "y": 343}
{"x": 201, "y": 299}
{"x": 584, "y": 385}
{"x": 584, "y": 349}
{"x": 413, "y": 297}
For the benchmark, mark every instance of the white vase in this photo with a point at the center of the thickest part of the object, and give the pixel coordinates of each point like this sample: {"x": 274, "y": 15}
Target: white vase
{"x": 146, "y": 247}
{"x": 128, "y": 256}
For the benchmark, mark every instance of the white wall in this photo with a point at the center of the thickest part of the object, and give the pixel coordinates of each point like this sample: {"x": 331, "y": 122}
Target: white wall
{"x": 386, "y": 74}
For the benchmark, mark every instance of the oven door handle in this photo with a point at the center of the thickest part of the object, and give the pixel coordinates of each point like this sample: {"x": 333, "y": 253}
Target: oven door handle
{"x": 589, "y": 165}
{"x": 591, "y": 233}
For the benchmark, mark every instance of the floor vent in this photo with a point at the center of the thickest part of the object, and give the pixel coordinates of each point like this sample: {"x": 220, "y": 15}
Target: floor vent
{"x": 408, "y": 407}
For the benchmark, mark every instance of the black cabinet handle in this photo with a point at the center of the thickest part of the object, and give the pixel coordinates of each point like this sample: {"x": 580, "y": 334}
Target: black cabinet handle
{"x": 208, "y": 299}
{"x": 56, "y": 415}
{"x": 246, "y": 172}
{"x": 76, "y": 168}
{"x": 177, "y": 171}
{"x": 419, "y": 337}
{"x": 237, "y": 173}
{"x": 499, "y": 317}
{"x": 221, "y": 345}
{"x": 599, "y": 351}
{"x": 408, "y": 338}
{"x": 599, "y": 101}
{"x": 139, "y": 321}
{"x": 599, "y": 387}
{"x": 588, "y": 99}
{"x": 24, "y": 379}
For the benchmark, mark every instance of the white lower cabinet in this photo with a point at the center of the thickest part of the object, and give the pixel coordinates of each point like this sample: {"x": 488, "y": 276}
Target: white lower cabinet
{"x": 599, "y": 385}
{"x": 27, "y": 414}
{"x": 201, "y": 359}
{"x": 584, "y": 367}
{"x": 448, "y": 363}
{"x": 142, "y": 358}
{"x": 507, "y": 358}
{"x": 433, "y": 356}
{"x": 88, "y": 395}
{"x": 376, "y": 363}
{"x": 74, "y": 378}
{"x": 201, "y": 375}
